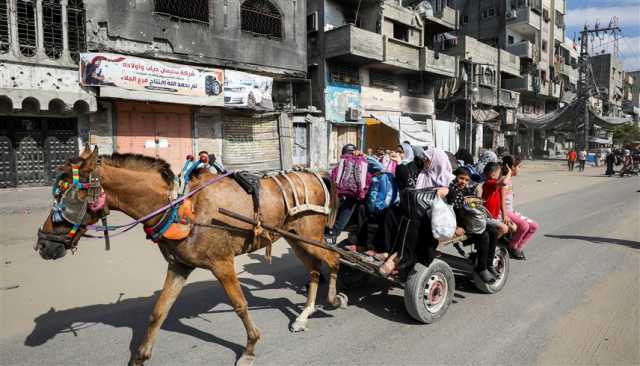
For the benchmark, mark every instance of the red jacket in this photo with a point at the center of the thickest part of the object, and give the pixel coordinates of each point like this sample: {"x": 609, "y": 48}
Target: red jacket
{"x": 492, "y": 195}
{"x": 572, "y": 156}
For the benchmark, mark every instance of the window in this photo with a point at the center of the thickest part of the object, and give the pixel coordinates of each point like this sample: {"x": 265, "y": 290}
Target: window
{"x": 510, "y": 40}
{"x": 76, "y": 28}
{"x": 559, "y": 19}
{"x": 544, "y": 45}
{"x": 401, "y": 32}
{"x": 26, "y": 14}
{"x": 52, "y": 28}
{"x": 4, "y": 27}
{"x": 262, "y": 18}
{"x": 488, "y": 12}
{"x": 545, "y": 15}
{"x": 190, "y": 11}
{"x": 344, "y": 74}
{"x": 382, "y": 78}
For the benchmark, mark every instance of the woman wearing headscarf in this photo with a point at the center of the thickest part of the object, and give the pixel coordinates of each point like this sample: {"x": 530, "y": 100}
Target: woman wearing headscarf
{"x": 486, "y": 157}
{"x": 429, "y": 170}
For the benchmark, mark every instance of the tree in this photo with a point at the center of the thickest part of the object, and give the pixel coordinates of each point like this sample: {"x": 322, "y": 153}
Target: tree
{"x": 625, "y": 134}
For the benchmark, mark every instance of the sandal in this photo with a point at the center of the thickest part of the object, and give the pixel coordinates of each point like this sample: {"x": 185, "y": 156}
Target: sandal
{"x": 388, "y": 268}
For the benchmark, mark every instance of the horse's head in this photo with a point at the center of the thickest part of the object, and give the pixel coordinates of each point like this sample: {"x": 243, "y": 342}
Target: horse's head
{"x": 78, "y": 201}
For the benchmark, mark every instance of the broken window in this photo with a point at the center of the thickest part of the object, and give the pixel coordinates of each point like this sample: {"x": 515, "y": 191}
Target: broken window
{"x": 76, "y": 28}
{"x": 401, "y": 32}
{"x": 344, "y": 74}
{"x": 193, "y": 10}
{"x": 261, "y": 17}
{"x": 26, "y": 19}
{"x": 4, "y": 27}
{"x": 52, "y": 28}
{"x": 382, "y": 78}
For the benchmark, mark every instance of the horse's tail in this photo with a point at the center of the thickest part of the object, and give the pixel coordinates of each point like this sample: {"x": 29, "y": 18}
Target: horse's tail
{"x": 334, "y": 202}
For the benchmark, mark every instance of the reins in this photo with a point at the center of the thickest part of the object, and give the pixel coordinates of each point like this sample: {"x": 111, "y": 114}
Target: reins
{"x": 170, "y": 205}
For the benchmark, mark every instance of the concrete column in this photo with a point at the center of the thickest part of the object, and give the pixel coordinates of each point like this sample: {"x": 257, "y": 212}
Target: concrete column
{"x": 65, "y": 32}
{"x": 40, "y": 31}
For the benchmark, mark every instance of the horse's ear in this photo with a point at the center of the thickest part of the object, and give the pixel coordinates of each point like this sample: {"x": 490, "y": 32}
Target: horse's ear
{"x": 86, "y": 153}
{"x": 89, "y": 163}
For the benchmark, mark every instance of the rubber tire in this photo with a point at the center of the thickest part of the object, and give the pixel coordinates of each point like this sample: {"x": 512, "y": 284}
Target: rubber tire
{"x": 415, "y": 287}
{"x": 351, "y": 278}
{"x": 492, "y": 288}
{"x": 217, "y": 89}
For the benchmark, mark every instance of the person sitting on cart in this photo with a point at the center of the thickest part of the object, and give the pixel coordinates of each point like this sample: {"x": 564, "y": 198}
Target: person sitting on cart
{"x": 485, "y": 241}
{"x": 430, "y": 169}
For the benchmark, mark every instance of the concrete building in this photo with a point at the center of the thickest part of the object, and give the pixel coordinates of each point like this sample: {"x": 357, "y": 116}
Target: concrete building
{"x": 631, "y": 103}
{"x": 164, "y": 78}
{"x": 43, "y": 111}
{"x": 373, "y": 73}
{"x": 608, "y": 73}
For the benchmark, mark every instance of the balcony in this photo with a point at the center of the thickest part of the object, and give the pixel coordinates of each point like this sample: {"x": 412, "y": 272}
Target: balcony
{"x": 442, "y": 64}
{"x": 446, "y": 19}
{"x": 569, "y": 71}
{"x": 509, "y": 63}
{"x": 400, "y": 54}
{"x": 524, "y": 49}
{"x": 524, "y": 21}
{"x": 489, "y": 96}
{"x": 354, "y": 45}
{"x": 524, "y": 84}
{"x": 486, "y": 95}
{"x": 558, "y": 33}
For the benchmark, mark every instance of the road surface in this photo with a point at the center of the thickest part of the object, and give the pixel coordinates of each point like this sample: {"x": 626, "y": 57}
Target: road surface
{"x": 574, "y": 301}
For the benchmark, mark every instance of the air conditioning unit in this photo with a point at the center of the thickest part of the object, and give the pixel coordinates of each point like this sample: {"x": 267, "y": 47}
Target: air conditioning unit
{"x": 512, "y": 14}
{"x": 312, "y": 22}
{"x": 353, "y": 114}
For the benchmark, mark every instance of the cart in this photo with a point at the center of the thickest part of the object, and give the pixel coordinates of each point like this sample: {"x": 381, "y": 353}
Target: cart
{"x": 428, "y": 289}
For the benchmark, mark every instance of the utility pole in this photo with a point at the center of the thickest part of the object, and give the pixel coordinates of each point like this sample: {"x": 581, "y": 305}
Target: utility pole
{"x": 585, "y": 80}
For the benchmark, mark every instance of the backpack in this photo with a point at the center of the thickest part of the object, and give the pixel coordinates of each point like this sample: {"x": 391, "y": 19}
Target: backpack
{"x": 382, "y": 194}
{"x": 351, "y": 177}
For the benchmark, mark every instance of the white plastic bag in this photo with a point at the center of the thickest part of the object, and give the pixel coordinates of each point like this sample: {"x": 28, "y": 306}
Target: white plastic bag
{"x": 443, "y": 220}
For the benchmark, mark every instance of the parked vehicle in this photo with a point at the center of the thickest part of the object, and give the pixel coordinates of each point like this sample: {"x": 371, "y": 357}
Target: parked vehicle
{"x": 245, "y": 92}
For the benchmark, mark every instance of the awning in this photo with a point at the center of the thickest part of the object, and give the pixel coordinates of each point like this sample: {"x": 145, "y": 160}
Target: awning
{"x": 485, "y": 115}
{"x": 599, "y": 140}
{"x": 418, "y": 133}
{"x": 33, "y": 100}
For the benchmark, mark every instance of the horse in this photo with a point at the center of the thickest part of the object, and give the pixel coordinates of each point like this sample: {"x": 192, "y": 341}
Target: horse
{"x": 137, "y": 185}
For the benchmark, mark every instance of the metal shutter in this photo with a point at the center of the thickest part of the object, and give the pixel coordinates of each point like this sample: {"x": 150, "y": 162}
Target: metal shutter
{"x": 250, "y": 143}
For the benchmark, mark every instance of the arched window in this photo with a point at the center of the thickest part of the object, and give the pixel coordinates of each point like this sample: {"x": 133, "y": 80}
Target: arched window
{"x": 52, "y": 28}
{"x": 4, "y": 27}
{"x": 76, "y": 28}
{"x": 192, "y": 10}
{"x": 262, "y": 18}
{"x": 26, "y": 14}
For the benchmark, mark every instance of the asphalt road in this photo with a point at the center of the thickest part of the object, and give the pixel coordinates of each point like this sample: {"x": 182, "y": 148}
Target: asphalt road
{"x": 574, "y": 301}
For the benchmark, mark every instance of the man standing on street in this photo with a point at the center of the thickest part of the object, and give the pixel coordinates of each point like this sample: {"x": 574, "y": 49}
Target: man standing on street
{"x": 582, "y": 159}
{"x": 572, "y": 156}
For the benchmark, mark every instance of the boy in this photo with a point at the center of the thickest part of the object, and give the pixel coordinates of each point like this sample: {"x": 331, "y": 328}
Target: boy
{"x": 485, "y": 241}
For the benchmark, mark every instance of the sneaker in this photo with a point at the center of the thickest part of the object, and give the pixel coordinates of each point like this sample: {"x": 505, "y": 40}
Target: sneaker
{"x": 487, "y": 276}
{"x": 516, "y": 254}
{"x": 330, "y": 239}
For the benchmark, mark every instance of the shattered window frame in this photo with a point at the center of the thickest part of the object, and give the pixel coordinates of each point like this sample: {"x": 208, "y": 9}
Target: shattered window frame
{"x": 52, "y": 28}
{"x": 76, "y": 28}
{"x": 197, "y": 11}
{"x": 27, "y": 29}
{"x": 5, "y": 34}
{"x": 261, "y": 18}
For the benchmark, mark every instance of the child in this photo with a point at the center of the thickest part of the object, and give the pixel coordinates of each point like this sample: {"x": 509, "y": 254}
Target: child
{"x": 485, "y": 241}
{"x": 526, "y": 227}
{"x": 492, "y": 196}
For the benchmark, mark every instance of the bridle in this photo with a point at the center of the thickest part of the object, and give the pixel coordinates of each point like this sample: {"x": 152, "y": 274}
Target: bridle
{"x": 69, "y": 207}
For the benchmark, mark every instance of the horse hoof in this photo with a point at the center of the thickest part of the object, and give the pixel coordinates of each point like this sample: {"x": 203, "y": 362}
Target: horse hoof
{"x": 344, "y": 300}
{"x": 298, "y": 326}
{"x": 246, "y": 360}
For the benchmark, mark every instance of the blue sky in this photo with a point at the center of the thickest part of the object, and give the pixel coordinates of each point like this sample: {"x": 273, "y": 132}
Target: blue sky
{"x": 591, "y": 11}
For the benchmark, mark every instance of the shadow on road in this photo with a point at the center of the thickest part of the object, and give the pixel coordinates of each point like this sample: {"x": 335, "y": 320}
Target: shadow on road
{"x": 598, "y": 240}
{"x": 197, "y": 299}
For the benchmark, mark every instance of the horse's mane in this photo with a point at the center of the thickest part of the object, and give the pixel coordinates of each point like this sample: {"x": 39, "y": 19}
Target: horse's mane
{"x": 140, "y": 162}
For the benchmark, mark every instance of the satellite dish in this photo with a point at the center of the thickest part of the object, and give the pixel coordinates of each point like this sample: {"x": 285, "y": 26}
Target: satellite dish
{"x": 425, "y": 9}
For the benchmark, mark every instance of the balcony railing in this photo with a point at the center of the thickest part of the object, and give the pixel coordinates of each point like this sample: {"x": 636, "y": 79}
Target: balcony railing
{"x": 439, "y": 64}
{"x": 401, "y": 54}
{"x": 354, "y": 43}
{"x": 509, "y": 63}
{"x": 524, "y": 20}
{"x": 524, "y": 84}
{"x": 509, "y": 98}
{"x": 524, "y": 49}
{"x": 446, "y": 17}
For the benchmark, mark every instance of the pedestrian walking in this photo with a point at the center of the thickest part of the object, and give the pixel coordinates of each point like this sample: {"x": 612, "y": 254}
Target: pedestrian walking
{"x": 572, "y": 156}
{"x": 627, "y": 163}
{"x": 582, "y": 159}
{"x": 610, "y": 160}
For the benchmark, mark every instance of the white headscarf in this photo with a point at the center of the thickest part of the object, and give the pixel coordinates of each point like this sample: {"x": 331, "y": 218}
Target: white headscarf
{"x": 438, "y": 174}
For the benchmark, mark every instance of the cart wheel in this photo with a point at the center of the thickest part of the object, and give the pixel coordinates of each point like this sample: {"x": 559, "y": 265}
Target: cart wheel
{"x": 501, "y": 262}
{"x": 429, "y": 291}
{"x": 351, "y": 278}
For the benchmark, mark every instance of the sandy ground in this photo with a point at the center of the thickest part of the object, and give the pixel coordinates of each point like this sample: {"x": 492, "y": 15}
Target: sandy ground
{"x": 597, "y": 322}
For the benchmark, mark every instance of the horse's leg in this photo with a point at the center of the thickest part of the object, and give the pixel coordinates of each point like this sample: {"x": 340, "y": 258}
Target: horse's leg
{"x": 225, "y": 272}
{"x": 312, "y": 264}
{"x": 333, "y": 262}
{"x": 174, "y": 281}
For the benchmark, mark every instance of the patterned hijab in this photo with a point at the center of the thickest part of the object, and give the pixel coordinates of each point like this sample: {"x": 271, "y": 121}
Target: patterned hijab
{"x": 486, "y": 157}
{"x": 438, "y": 173}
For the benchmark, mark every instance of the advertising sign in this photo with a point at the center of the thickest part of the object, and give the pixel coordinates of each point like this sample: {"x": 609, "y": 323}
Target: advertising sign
{"x": 192, "y": 85}
{"x": 244, "y": 90}
{"x": 341, "y": 97}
